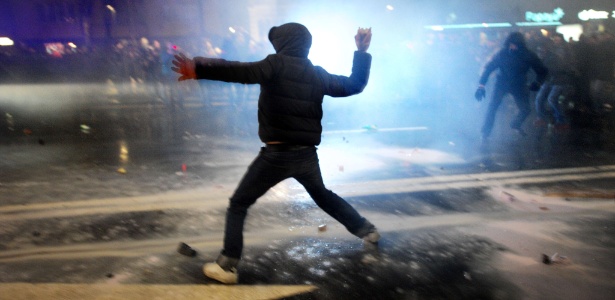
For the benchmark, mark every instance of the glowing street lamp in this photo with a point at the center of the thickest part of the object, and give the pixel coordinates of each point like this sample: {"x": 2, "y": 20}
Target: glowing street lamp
{"x": 4, "y": 41}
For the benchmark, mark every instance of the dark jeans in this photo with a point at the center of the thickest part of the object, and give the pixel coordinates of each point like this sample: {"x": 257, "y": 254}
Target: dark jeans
{"x": 271, "y": 167}
{"x": 521, "y": 96}
{"x": 550, "y": 93}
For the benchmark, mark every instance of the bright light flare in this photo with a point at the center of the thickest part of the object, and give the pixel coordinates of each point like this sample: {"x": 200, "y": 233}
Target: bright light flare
{"x": 72, "y": 45}
{"x": 124, "y": 153}
{"x": 111, "y": 8}
{"x": 390, "y": 7}
{"x": 544, "y": 32}
{"x": 232, "y": 30}
{"x": 4, "y": 41}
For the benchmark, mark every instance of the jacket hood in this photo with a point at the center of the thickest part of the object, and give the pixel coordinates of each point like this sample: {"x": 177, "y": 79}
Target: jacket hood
{"x": 516, "y": 38}
{"x": 292, "y": 39}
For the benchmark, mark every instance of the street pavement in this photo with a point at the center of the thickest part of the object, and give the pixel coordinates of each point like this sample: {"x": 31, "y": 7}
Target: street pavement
{"x": 95, "y": 202}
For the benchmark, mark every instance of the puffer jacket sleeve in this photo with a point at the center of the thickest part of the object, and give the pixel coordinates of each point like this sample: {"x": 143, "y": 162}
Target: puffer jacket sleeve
{"x": 491, "y": 66}
{"x": 343, "y": 86}
{"x": 234, "y": 71}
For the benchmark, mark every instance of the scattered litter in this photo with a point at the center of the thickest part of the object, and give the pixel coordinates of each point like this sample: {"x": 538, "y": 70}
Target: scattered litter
{"x": 184, "y": 168}
{"x": 369, "y": 259}
{"x": 121, "y": 171}
{"x": 554, "y": 259}
{"x": 109, "y": 275}
{"x": 322, "y": 227}
{"x": 370, "y": 127}
{"x": 85, "y": 129}
{"x": 467, "y": 276}
{"x": 508, "y": 196}
{"x": 544, "y": 208}
{"x": 583, "y": 195}
{"x": 413, "y": 151}
{"x": 41, "y": 142}
{"x": 186, "y": 250}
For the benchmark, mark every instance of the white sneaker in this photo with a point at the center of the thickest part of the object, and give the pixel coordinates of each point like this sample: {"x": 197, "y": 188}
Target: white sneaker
{"x": 215, "y": 272}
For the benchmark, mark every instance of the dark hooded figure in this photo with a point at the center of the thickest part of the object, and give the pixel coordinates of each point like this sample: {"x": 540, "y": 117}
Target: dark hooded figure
{"x": 289, "y": 118}
{"x": 513, "y": 62}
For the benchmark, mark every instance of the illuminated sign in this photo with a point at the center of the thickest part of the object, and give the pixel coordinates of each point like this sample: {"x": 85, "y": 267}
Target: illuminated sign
{"x": 555, "y": 16}
{"x": 467, "y": 26}
{"x": 591, "y": 14}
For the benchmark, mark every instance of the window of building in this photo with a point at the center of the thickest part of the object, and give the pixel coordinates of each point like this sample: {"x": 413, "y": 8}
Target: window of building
{"x": 59, "y": 11}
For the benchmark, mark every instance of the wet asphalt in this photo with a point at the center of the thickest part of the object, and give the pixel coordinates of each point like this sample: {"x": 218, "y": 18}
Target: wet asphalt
{"x": 105, "y": 190}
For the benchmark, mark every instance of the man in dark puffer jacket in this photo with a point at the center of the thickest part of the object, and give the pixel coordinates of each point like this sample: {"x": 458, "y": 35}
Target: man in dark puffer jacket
{"x": 513, "y": 62}
{"x": 289, "y": 118}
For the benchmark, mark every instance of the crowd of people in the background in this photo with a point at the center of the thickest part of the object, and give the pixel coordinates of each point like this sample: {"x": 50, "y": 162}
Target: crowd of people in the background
{"x": 442, "y": 66}
{"x": 582, "y": 71}
{"x": 141, "y": 59}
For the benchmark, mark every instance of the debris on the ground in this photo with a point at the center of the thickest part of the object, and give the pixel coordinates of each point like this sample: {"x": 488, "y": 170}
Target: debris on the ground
{"x": 369, "y": 259}
{"x": 467, "y": 276}
{"x": 322, "y": 227}
{"x": 413, "y": 151}
{"x": 184, "y": 168}
{"x": 186, "y": 250}
{"x": 370, "y": 127}
{"x": 554, "y": 259}
{"x": 508, "y": 196}
{"x": 85, "y": 129}
{"x": 121, "y": 171}
{"x": 341, "y": 168}
{"x": 582, "y": 194}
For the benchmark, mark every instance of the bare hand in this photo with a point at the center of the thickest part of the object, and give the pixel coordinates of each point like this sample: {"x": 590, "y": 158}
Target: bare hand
{"x": 363, "y": 38}
{"x": 184, "y": 66}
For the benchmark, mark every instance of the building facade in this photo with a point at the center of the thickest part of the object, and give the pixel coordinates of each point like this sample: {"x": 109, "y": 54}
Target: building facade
{"x": 87, "y": 22}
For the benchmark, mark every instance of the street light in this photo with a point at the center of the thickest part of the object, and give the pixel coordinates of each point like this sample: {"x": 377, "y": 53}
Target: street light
{"x": 4, "y": 41}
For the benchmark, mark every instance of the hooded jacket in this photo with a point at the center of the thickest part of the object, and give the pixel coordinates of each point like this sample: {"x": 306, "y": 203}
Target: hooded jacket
{"x": 292, "y": 88}
{"x": 514, "y": 65}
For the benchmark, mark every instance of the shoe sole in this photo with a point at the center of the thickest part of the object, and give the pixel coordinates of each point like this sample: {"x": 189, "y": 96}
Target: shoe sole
{"x": 215, "y": 272}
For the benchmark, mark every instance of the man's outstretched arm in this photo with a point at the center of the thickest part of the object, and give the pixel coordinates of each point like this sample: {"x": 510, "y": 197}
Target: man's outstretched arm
{"x": 220, "y": 69}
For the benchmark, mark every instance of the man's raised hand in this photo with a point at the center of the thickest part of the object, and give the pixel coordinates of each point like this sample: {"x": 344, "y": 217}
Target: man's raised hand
{"x": 363, "y": 38}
